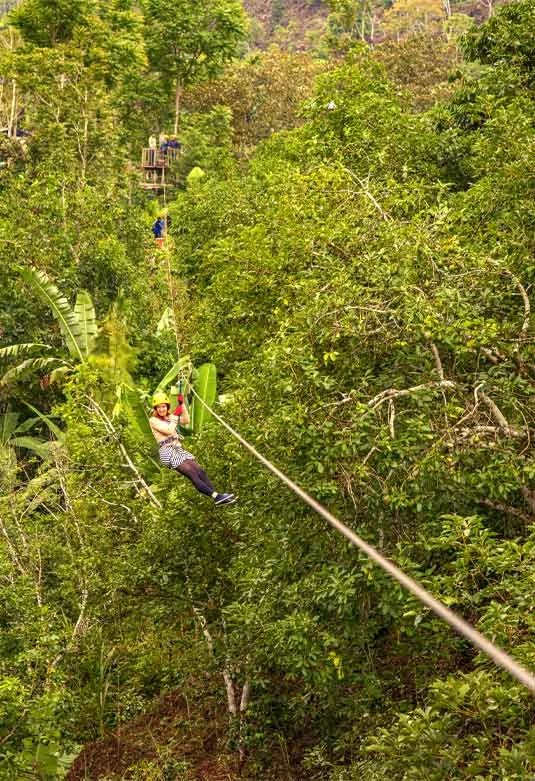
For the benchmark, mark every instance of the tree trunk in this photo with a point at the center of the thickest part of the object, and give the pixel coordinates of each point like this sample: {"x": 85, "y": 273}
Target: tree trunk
{"x": 178, "y": 96}
{"x": 12, "y": 124}
{"x": 85, "y": 141}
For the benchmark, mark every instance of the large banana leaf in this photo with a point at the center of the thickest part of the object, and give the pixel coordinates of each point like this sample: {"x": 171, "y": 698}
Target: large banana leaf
{"x": 29, "y": 365}
{"x": 183, "y": 365}
{"x": 8, "y": 425}
{"x": 167, "y": 322}
{"x": 134, "y": 408}
{"x": 16, "y": 350}
{"x": 61, "y": 309}
{"x": 87, "y": 320}
{"x": 38, "y": 446}
{"x": 206, "y": 388}
{"x": 56, "y": 430}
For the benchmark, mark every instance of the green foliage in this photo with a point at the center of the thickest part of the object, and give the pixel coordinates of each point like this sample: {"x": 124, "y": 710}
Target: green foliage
{"x": 263, "y": 91}
{"x": 78, "y": 327}
{"x": 506, "y": 38}
{"x": 190, "y": 41}
{"x": 362, "y": 283}
{"x": 49, "y": 23}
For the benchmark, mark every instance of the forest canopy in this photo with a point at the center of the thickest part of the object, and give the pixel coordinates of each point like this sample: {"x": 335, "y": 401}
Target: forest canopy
{"x": 344, "y": 269}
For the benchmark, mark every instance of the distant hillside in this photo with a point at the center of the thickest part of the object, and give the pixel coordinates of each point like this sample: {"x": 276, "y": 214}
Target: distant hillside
{"x": 296, "y": 18}
{"x": 293, "y": 22}
{"x": 7, "y": 5}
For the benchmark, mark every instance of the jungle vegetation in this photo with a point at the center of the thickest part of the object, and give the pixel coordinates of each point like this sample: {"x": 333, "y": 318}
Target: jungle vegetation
{"x": 356, "y": 257}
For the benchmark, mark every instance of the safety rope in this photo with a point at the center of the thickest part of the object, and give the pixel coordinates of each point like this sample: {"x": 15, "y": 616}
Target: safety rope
{"x": 500, "y": 657}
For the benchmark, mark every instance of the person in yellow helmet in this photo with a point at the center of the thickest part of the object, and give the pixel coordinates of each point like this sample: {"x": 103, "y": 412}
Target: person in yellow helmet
{"x": 172, "y": 454}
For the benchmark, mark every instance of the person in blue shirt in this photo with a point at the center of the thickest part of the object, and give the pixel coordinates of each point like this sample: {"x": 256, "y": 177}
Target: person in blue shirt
{"x": 159, "y": 228}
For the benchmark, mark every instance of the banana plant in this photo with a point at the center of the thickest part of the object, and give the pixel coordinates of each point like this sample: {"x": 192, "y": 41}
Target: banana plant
{"x": 14, "y": 437}
{"x": 78, "y": 326}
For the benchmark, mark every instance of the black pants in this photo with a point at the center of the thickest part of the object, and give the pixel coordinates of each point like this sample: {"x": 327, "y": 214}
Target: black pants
{"x": 197, "y": 475}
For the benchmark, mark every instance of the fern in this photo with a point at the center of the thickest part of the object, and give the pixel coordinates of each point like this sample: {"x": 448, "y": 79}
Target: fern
{"x": 8, "y": 426}
{"x": 58, "y": 433}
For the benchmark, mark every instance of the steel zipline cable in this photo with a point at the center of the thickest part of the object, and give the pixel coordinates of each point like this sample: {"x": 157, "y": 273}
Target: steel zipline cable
{"x": 500, "y": 657}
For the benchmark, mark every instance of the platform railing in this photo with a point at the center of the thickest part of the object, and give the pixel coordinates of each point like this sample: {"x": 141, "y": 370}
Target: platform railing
{"x": 155, "y": 158}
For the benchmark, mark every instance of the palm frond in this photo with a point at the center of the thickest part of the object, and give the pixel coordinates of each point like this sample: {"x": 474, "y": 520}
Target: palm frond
{"x": 61, "y": 371}
{"x": 26, "y": 425}
{"x": 61, "y": 309}
{"x": 86, "y": 331}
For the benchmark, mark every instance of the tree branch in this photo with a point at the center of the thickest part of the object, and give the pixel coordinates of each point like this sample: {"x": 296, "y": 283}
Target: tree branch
{"x": 498, "y": 415}
{"x": 505, "y": 508}
{"x": 129, "y": 463}
{"x": 438, "y": 362}
{"x": 527, "y": 308}
{"x": 78, "y": 629}
{"x": 369, "y": 195}
{"x": 394, "y": 393}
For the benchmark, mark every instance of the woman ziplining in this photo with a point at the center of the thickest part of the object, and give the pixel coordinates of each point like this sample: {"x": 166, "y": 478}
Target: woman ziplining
{"x": 172, "y": 455}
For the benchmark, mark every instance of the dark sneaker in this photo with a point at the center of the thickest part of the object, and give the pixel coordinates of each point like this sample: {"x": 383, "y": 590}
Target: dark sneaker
{"x": 225, "y": 499}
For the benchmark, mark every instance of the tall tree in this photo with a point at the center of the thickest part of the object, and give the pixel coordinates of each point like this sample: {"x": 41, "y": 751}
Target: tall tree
{"x": 189, "y": 41}
{"x": 50, "y": 22}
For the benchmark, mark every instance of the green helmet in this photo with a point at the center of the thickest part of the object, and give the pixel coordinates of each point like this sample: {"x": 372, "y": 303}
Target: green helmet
{"x": 160, "y": 398}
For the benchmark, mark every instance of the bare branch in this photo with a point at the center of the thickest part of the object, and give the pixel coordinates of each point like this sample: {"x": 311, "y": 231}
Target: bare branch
{"x": 527, "y": 308}
{"x": 497, "y": 414}
{"x": 394, "y": 393}
{"x": 505, "y": 508}
{"x": 529, "y": 498}
{"x": 245, "y": 693}
{"x": 438, "y": 362}
{"x": 525, "y": 298}
{"x": 129, "y": 463}
{"x": 475, "y": 430}
{"x": 229, "y": 683}
{"x": 493, "y": 355}
{"x": 368, "y": 195}
{"x": 78, "y": 629}
{"x": 391, "y": 418}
